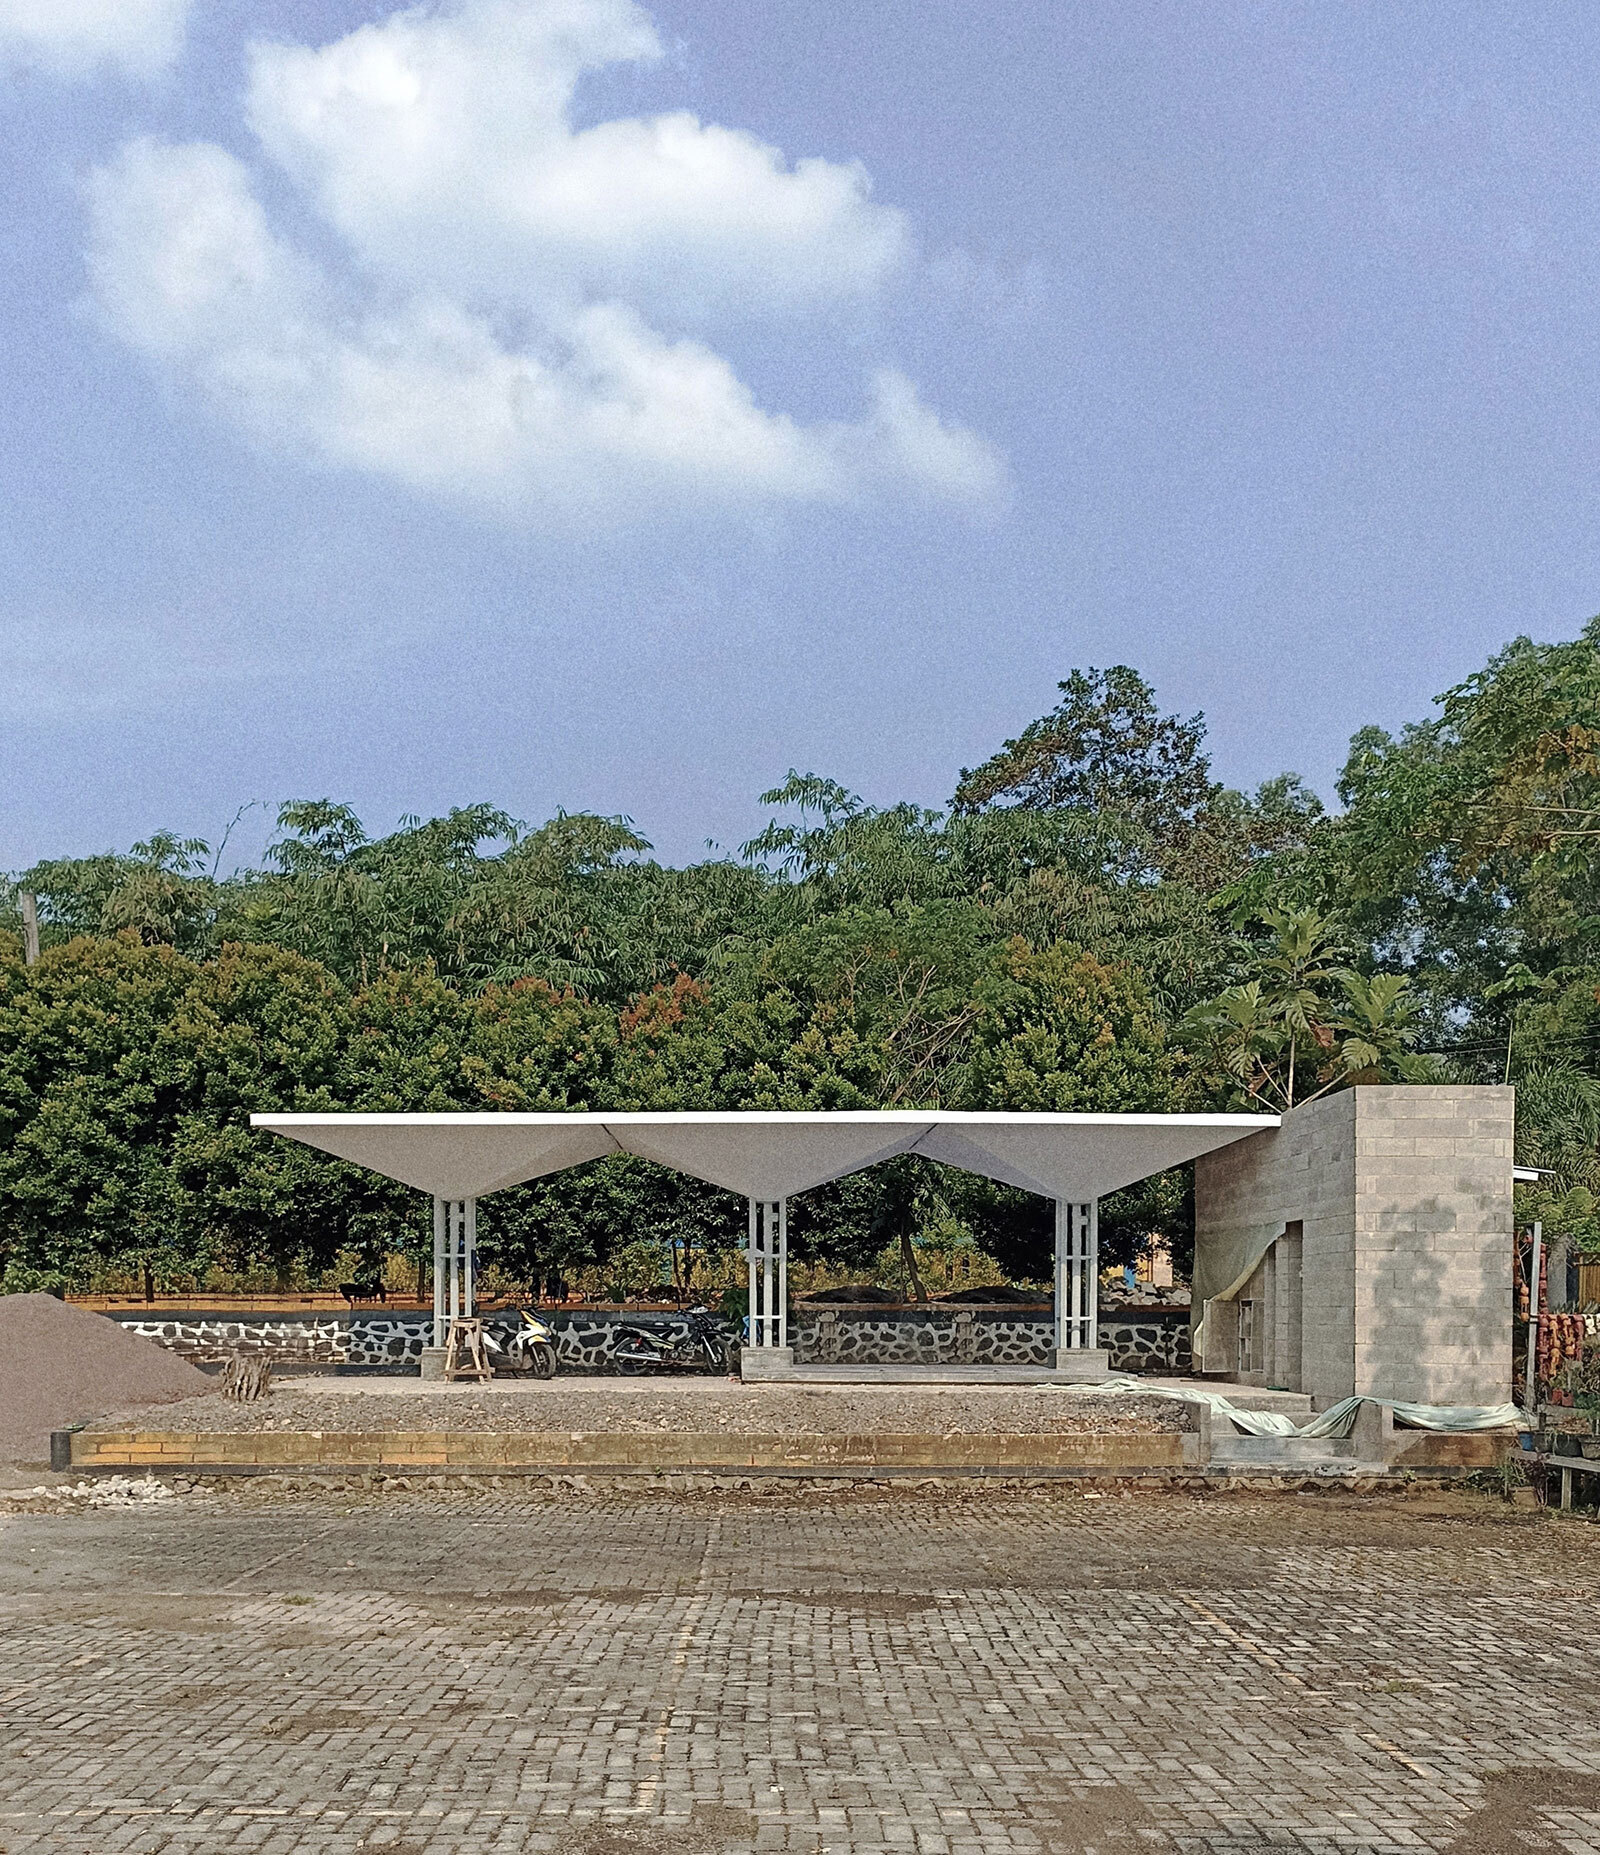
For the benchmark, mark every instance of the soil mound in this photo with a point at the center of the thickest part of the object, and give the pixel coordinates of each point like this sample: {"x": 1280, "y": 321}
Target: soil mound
{"x": 855, "y": 1294}
{"x": 61, "y": 1365}
{"x": 1000, "y": 1295}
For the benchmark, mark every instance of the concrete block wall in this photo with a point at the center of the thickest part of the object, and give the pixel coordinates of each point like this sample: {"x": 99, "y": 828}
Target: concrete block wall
{"x": 1303, "y": 1172}
{"x": 1433, "y": 1242}
{"x": 1404, "y": 1199}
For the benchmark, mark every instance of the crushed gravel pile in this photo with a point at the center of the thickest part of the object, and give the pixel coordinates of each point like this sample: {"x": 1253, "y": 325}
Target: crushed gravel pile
{"x": 61, "y": 1365}
{"x": 631, "y": 1406}
{"x": 113, "y": 1491}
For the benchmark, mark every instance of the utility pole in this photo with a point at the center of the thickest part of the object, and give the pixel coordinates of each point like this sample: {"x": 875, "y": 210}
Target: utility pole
{"x": 30, "y": 927}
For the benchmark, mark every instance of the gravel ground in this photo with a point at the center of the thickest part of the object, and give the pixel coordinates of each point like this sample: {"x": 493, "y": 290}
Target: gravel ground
{"x": 701, "y": 1404}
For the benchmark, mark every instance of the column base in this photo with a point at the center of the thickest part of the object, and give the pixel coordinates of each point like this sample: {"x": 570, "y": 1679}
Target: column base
{"x": 433, "y": 1363}
{"x": 763, "y": 1362}
{"x": 1083, "y": 1365}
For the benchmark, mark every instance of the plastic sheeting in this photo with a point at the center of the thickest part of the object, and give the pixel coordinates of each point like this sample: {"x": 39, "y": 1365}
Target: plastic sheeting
{"x": 1222, "y": 1266}
{"x": 1337, "y": 1420}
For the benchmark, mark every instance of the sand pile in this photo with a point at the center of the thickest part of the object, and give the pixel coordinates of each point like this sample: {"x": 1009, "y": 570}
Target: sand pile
{"x": 61, "y": 1365}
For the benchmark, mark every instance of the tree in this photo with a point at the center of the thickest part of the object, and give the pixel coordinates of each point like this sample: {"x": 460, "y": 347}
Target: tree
{"x": 1062, "y": 1032}
{"x": 261, "y": 1030}
{"x": 90, "y": 1094}
{"x": 1303, "y": 1012}
{"x": 1106, "y": 748}
{"x": 905, "y": 1198}
{"x": 532, "y": 1048}
{"x": 655, "y": 1226}
{"x": 1107, "y": 752}
{"x": 160, "y": 891}
{"x": 1466, "y": 845}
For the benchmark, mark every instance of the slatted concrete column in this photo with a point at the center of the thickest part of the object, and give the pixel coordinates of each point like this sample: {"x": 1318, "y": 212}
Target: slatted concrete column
{"x": 767, "y": 1350}
{"x": 1077, "y": 1290}
{"x": 441, "y": 1318}
{"x": 455, "y": 1257}
{"x": 767, "y": 1254}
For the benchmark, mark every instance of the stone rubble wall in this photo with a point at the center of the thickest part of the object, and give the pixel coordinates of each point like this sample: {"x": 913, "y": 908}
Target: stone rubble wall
{"x": 393, "y": 1342}
{"x": 956, "y": 1336}
{"x": 584, "y": 1341}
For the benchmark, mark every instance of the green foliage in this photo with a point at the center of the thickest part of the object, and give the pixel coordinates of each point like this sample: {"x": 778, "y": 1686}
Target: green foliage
{"x": 1107, "y": 753}
{"x": 647, "y": 1226}
{"x": 1466, "y": 846}
{"x": 1573, "y": 1214}
{"x": 1104, "y": 748}
{"x": 1061, "y": 1032}
{"x": 1303, "y": 1025}
{"x": 1558, "y": 1126}
{"x": 1096, "y": 923}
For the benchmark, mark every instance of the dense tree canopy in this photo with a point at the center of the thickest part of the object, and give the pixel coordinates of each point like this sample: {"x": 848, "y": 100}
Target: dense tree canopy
{"x": 1096, "y": 922}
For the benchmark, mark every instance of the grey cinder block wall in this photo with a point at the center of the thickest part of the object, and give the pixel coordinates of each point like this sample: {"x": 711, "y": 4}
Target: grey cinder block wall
{"x": 1377, "y": 1227}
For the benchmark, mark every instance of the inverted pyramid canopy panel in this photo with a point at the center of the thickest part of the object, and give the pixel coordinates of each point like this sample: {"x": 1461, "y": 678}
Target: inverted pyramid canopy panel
{"x": 449, "y": 1155}
{"x": 768, "y": 1155}
{"x": 1088, "y": 1157}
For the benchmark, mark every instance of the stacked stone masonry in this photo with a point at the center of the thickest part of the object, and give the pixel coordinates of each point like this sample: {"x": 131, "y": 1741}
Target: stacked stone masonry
{"x": 1156, "y": 1340}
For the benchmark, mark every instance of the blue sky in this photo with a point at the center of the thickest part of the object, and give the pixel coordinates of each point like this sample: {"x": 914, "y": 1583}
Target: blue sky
{"x": 563, "y": 402}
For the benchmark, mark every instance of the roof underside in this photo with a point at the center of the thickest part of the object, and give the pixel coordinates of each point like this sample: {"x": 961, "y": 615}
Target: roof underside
{"x": 768, "y": 1156}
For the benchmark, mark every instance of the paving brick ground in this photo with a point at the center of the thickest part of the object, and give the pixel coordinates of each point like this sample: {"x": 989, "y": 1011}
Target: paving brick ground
{"x": 643, "y": 1673}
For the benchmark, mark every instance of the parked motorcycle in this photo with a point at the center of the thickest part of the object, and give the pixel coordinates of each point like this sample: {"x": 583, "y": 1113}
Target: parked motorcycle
{"x": 640, "y": 1347}
{"x": 527, "y": 1349}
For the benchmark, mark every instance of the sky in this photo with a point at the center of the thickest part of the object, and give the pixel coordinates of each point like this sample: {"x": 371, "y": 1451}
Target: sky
{"x": 572, "y": 403}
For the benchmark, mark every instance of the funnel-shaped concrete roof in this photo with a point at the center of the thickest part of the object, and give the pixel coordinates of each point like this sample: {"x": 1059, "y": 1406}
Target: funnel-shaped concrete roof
{"x": 769, "y": 1155}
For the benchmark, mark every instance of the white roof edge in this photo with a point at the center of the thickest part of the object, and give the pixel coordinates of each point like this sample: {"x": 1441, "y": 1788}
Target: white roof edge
{"x": 746, "y": 1117}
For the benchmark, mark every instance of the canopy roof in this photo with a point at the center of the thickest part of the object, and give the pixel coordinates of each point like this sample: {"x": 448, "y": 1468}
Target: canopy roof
{"x": 769, "y": 1155}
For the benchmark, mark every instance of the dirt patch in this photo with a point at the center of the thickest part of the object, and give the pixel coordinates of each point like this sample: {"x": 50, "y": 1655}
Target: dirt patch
{"x": 710, "y": 1829}
{"x": 1088, "y": 1819}
{"x": 61, "y": 1365}
{"x": 890, "y": 1605}
{"x": 294, "y": 1727}
{"x": 193, "y": 1695}
{"x": 1513, "y": 1805}
{"x": 178, "y": 1616}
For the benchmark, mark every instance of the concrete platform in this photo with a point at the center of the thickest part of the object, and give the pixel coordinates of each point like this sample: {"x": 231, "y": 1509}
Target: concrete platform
{"x": 1293, "y": 1404}
{"x": 913, "y": 1375}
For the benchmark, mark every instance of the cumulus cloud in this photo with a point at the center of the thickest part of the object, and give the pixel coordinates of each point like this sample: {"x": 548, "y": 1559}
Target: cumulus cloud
{"x": 73, "y": 38}
{"x": 441, "y": 149}
{"x": 488, "y": 302}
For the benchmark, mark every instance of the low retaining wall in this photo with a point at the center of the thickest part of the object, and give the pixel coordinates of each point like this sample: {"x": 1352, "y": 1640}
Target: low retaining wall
{"x": 373, "y": 1341}
{"x": 718, "y": 1453}
{"x": 842, "y": 1335}
{"x": 489, "y": 1452}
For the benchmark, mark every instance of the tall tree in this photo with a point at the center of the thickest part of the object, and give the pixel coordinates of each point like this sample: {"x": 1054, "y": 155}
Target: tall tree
{"x": 1105, "y": 747}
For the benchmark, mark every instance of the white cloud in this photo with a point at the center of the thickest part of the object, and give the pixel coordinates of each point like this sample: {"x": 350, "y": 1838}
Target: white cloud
{"x": 441, "y": 148}
{"x": 73, "y": 38}
{"x": 512, "y": 311}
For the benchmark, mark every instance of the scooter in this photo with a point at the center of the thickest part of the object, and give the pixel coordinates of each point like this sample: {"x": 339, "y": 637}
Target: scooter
{"x": 708, "y": 1346}
{"x": 528, "y": 1349}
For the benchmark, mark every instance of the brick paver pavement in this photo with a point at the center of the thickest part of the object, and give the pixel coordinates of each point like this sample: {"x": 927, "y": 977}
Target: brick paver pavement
{"x": 643, "y": 1673}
